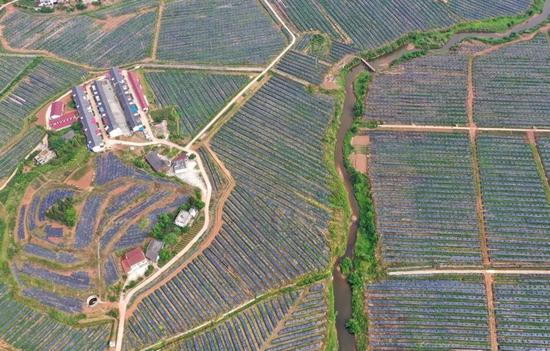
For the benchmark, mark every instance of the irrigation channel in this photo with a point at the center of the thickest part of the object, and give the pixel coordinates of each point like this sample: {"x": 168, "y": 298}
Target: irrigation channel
{"x": 342, "y": 290}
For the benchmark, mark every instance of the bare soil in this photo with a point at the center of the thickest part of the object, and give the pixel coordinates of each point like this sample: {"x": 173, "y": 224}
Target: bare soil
{"x": 489, "y": 281}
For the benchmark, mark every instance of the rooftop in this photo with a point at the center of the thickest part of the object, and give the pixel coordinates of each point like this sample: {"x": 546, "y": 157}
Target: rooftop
{"x": 132, "y": 258}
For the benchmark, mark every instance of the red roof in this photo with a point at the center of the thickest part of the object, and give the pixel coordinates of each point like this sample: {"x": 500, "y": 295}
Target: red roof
{"x": 132, "y": 258}
{"x": 134, "y": 80}
{"x": 57, "y": 108}
{"x": 64, "y": 121}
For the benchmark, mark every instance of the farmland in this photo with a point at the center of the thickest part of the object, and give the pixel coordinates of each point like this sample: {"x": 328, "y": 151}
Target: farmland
{"x": 425, "y": 200}
{"x": 11, "y": 157}
{"x": 266, "y": 212}
{"x": 427, "y": 313}
{"x": 197, "y": 96}
{"x": 233, "y": 32}
{"x": 293, "y": 320}
{"x": 45, "y": 80}
{"x": 83, "y": 38}
{"x": 430, "y": 90}
{"x": 517, "y": 213}
{"x": 10, "y": 68}
{"x": 512, "y": 83}
{"x": 372, "y": 24}
{"x": 522, "y": 308}
{"x": 25, "y": 328}
{"x": 304, "y": 67}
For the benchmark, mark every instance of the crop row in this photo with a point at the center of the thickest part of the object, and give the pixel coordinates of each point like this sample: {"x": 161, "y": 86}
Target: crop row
{"x": 110, "y": 168}
{"x": 125, "y": 199}
{"x": 426, "y": 313}
{"x": 372, "y": 24}
{"x": 215, "y": 175}
{"x": 511, "y": 85}
{"x": 50, "y": 255}
{"x": 425, "y": 198}
{"x": 11, "y": 157}
{"x": 522, "y": 308}
{"x": 294, "y": 320}
{"x": 53, "y": 232}
{"x": 429, "y": 90}
{"x": 111, "y": 271}
{"x": 82, "y": 38}
{"x": 10, "y": 67}
{"x": 21, "y": 223}
{"x": 271, "y": 234}
{"x": 123, "y": 8}
{"x": 307, "y": 16}
{"x": 218, "y": 31}
{"x": 77, "y": 280}
{"x": 516, "y": 211}
{"x": 27, "y": 329}
{"x": 303, "y": 66}
{"x": 53, "y": 300}
{"x": 197, "y": 96}
{"x": 88, "y": 220}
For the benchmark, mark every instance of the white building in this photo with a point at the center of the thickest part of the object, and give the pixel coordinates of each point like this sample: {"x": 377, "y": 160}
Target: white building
{"x": 186, "y": 218}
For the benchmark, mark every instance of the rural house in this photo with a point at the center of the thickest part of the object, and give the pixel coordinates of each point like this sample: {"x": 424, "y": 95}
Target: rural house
{"x": 134, "y": 263}
{"x": 158, "y": 163}
{"x": 186, "y": 218}
{"x": 153, "y": 250}
{"x": 179, "y": 164}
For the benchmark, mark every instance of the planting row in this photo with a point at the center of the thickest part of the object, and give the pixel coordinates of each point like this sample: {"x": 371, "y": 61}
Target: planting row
{"x": 427, "y": 313}
{"x": 429, "y": 90}
{"x": 27, "y": 329}
{"x": 197, "y": 96}
{"x": 303, "y": 66}
{"x": 424, "y": 193}
{"x": 294, "y": 320}
{"x": 516, "y": 210}
{"x": 271, "y": 233}
{"x": 511, "y": 85}
{"x": 10, "y": 68}
{"x": 15, "y": 154}
{"x": 218, "y": 31}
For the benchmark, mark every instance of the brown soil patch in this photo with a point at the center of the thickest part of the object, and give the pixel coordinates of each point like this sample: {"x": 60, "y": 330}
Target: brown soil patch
{"x": 4, "y": 346}
{"x": 111, "y": 23}
{"x": 531, "y": 137}
{"x": 84, "y": 182}
{"x": 489, "y": 281}
{"x": 471, "y": 93}
{"x": 360, "y": 141}
{"x": 359, "y": 162}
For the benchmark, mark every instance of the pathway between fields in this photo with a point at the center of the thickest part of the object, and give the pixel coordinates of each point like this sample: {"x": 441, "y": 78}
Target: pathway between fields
{"x": 126, "y": 298}
{"x": 8, "y": 4}
{"x": 443, "y": 271}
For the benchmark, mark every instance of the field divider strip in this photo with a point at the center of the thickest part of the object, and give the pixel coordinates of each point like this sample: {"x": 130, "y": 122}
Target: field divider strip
{"x": 539, "y": 164}
{"x": 491, "y": 315}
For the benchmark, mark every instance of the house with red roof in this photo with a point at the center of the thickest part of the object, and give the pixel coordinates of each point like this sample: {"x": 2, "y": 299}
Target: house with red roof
{"x": 57, "y": 109}
{"x": 64, "y": 121}
{"x": 138, "y": 90}
{"x": 135, "y": 263}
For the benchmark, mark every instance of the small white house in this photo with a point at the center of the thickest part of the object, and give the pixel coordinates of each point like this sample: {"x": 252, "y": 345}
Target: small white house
{"x": 186, "y": 218}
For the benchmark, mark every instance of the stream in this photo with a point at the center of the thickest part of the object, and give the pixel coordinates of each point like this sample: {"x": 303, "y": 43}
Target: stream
{"x": 342, "y": 290}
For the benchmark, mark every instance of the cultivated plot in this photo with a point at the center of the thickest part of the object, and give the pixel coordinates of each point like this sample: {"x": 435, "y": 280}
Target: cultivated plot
{"x": 10, "y": 158}
{"x": 512, "y": 85}
{"x": 516, "y": 210}
{"x": 522, "y": 306}
{"x": 218, "y": 32}
{"x": 430, "y": 90}
{"x": 304, "y": 67}
{"x": 428, "y": 313}
{"x": 294, "y": 320}
{"x": 112, "y": 36}
{"x": 423, "y": 189}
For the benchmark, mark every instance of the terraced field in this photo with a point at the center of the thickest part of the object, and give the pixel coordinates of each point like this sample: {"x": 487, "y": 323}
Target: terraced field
{"x": 304, "y": 67}
{"x": 46, "y": 80}
{"x": 218, "y": 32}
{"x": 294, "y": 320}
{"x": 511, "y": 85}
{"x": 517, "y": 213}
{"x": 430, "y": 90}
{"x": 28, "y": 329}
{"x": 86, "y": 39}
{"x": 428, "y": 313}
{"x": 271, "y": 234}
{"x": 11, "y": 157}
{"x": 424, "y": 193}
{"x": 197, "y": 96}
{"x": 522, "y": 309}
{"x": 307, "y": 16}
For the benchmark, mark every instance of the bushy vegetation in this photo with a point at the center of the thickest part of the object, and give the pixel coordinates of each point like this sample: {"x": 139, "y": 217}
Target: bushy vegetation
{"x": 63, "y": 211}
